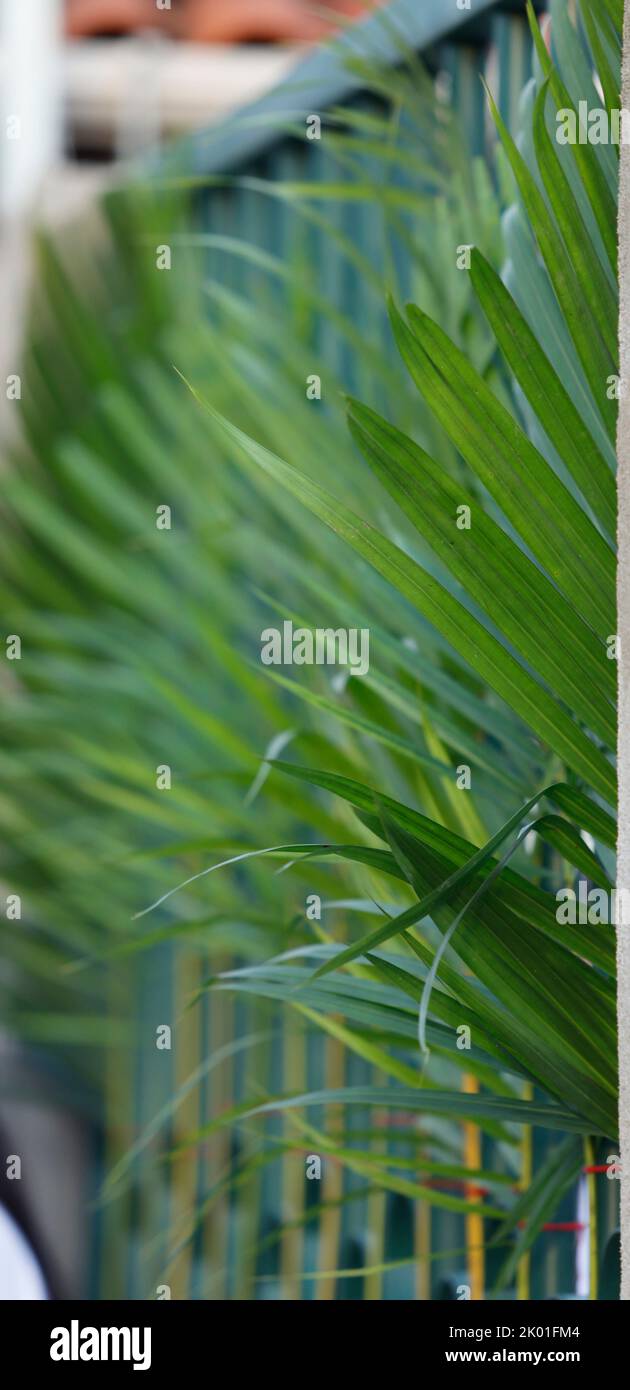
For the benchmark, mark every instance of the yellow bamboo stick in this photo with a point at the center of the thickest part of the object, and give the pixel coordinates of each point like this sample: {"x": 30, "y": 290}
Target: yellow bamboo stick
{"x": 216, "y": 1226}
{"x": 330, "y": 1221}
{"x": 422, "y": 1250}
{"x": 474, "y": 1222}
{"x": 591, "y": 1180}
{"x": 523, "y": 1272}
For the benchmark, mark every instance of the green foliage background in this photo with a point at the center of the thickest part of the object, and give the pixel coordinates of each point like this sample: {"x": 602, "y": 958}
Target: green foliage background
{"x": 488, "y": 648}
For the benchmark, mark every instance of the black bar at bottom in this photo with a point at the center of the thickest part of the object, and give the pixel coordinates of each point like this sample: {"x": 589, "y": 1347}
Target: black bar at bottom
{"x": 157, "y": 1340}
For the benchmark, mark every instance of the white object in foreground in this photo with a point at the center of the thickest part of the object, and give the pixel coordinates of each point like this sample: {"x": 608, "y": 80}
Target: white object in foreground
{"x": 20, "y": 1275}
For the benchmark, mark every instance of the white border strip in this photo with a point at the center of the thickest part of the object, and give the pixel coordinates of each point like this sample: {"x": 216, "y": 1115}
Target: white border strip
{"x": 623, "y": 622}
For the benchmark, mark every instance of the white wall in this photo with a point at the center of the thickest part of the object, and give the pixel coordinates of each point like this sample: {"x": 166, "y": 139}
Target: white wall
{"x": 30, "y": 99}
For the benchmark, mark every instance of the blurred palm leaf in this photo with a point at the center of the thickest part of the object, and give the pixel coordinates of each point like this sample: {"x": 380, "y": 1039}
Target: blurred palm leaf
{"x": 136, "y": 654}
{"x": 533, "y": 609}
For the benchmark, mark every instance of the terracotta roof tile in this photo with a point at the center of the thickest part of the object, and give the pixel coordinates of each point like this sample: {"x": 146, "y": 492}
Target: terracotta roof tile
{"x": 212, "y": 21}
